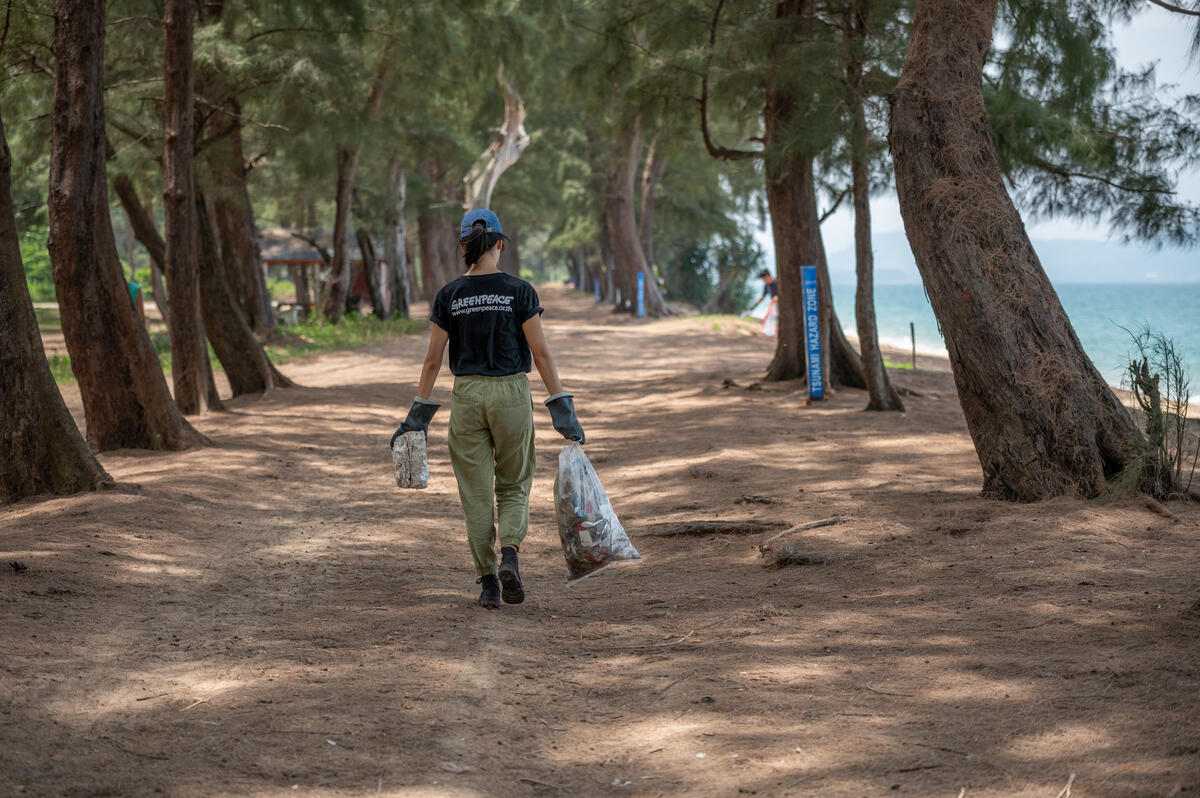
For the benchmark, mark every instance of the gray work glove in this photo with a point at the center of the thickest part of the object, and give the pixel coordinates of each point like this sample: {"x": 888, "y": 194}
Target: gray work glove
{"x": 419, "y": 416}
{"x": 562, "y": 413}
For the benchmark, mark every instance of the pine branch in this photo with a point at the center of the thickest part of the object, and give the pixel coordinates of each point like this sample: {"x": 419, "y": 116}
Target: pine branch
{"x": 1192, "y": 12}
{"x": 724, "y": 153}
{"x": 833, "y": 208}
{"x": 1061, "y": 172}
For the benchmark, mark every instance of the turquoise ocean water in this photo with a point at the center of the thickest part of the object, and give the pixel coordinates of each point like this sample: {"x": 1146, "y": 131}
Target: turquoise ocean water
{"x": 1096, "y": 311}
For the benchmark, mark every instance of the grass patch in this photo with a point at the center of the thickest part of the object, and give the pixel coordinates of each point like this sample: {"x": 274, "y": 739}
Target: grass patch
{"x": 891, "y": 365}
{"x": 316, "y": 335}
{"x": 288, "y": 343}
{"x": 47, "y": 319}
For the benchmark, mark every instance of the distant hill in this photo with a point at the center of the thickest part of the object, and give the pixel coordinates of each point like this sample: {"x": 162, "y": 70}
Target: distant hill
{"x": 1065, "y": 260}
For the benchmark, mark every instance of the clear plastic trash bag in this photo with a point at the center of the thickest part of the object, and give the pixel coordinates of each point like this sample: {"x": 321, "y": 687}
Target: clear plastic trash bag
{"x": 408, "y": 455}
{"x": 592, "y": 537}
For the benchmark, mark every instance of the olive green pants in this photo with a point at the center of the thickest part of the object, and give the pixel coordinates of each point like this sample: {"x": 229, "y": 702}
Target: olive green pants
{"x": 491, "y": 449}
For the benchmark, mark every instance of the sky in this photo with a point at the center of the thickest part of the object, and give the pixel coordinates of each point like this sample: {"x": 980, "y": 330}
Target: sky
{"x": 1156, "y": 35}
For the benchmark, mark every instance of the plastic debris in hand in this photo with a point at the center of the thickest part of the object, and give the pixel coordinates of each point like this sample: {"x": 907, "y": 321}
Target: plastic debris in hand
{"x": 592, "y": 537}
{"x": 408, "y": 455}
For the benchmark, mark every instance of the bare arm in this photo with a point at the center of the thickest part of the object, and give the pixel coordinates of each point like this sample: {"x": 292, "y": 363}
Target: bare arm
{"x": 433, "y": 361}
{"x": 541, "y": 355}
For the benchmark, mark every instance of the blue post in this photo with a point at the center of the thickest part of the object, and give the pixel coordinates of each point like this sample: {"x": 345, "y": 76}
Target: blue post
{"x": 597, "y": 284}
{"x": 641, "y": 297}
{"x": 812, "y": 333}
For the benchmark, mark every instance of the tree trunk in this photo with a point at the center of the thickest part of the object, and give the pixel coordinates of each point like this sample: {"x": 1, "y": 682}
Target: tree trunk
{"x": 242, "y": 357}
{"x": 41, "y": 450}
{"x": 652, "y": 173}
{"x": 370, "y": 266}
{"x": 605, "y": 269}
{"x": 125, "y": 396}
{"x": 188, "y": 349}
{"x": 233, "y": 215}
{"x": 1042, "y": 418}
{"x": 450, "y": 255}
{"x": 796, "y": 228}
{"x": 337, "y": 282}
{"x": 782, "y": 186}
{"x": 430, "y": 257}
{"x": 393, "y": 239}
{"x": 411, "y": 261}
{"x": 144, "y": 230}
{"x": 620, "y": 220}
{"x": 303, "y": 295}
{"x": 510, "y": 256}
{"x": 511, "y": 140}
{"x": 880, "y": 393}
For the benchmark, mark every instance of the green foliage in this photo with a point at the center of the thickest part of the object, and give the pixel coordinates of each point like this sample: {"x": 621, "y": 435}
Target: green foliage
{"x": 37, "y": 264}
{"x": 1079, "y": 137}
{"x": 716, "y": 274}
{"x": 1159, "y": 381}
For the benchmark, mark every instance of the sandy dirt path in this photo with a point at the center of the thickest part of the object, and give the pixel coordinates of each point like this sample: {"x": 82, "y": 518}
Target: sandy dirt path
{"x": 272, "y": 616}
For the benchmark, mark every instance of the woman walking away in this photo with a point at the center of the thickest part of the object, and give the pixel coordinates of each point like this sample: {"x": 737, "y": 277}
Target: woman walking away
{"x": 492, "y": 322}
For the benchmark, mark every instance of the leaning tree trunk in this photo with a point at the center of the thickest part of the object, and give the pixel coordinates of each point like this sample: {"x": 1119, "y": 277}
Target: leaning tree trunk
{"x": 622, "y": 225}
{"x": 370, "y": 266}
{"x": 233, "y": 215}
{"x": 881, "y": 395}
{"x": 41, "y": 450}
{"x": 142, "y": 224}
{"x": 337, "y": 284}
{"x": 125, "y": 397}
{"x": 393, "y": 239}
{"x": 188, "y": 349}
{"x": 511, "y": 140}
{"x": 1042, "y": 418}
{"x": 242, "y": 357}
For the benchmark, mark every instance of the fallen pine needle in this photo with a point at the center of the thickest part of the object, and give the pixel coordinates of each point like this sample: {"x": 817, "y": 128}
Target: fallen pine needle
{"x": 677, "y": 681}
{"x": 1066, "y": 791}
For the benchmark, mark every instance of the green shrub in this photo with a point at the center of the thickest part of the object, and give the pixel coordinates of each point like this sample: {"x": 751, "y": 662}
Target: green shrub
{"x": 36, "y": 258}
{"x": 1158, "y": 379}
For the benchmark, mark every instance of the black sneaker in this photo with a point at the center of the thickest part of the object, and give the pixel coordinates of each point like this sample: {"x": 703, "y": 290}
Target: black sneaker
{"x": 489, "y": 596}
{"x": 510, "y": 577}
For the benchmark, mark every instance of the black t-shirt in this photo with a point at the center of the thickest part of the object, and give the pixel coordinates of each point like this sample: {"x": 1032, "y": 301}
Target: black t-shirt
{"x": 483, "y": 315}
{"x": 771, "y": 288}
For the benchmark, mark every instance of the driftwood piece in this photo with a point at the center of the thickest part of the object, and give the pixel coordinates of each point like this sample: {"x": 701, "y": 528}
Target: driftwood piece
{"x": 837, "y": 519}
{"x": 779, "y": 554}
{"x": 745, "y": 527}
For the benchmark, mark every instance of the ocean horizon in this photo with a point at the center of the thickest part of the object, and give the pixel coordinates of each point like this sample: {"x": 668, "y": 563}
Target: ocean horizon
{"x": 1098, "y": 312}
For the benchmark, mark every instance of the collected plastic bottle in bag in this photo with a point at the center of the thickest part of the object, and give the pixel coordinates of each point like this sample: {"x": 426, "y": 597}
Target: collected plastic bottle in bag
{"x": 408, "y": 455}
{"x": 592, "y": 536}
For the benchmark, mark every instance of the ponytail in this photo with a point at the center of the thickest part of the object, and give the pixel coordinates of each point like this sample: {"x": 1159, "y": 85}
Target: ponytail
{"x": 479, "y": 242}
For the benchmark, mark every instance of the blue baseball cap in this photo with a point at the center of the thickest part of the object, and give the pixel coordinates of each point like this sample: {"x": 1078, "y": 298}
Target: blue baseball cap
{"x": 490, "y": 221}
